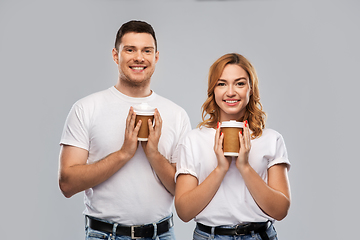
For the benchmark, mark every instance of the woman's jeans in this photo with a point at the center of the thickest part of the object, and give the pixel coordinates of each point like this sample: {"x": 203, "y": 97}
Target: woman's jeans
{"x": 200, "y": 235}
{"x": 92, "y": 234}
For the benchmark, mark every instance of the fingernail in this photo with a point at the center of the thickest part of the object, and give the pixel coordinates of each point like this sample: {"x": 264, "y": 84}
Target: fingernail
{"x": 241, "y": 132}
{"x": 218, "y": 124}
{"x": 246, "y": 122}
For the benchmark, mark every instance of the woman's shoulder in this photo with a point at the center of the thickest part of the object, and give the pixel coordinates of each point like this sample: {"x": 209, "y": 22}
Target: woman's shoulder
{"x": 270, "y": 133}
{"x": 199, "y": 133}
{"x": 202, "y": 131}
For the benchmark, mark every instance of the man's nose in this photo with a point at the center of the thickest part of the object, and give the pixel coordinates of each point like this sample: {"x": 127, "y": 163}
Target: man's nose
{"x": 139, "y": 56}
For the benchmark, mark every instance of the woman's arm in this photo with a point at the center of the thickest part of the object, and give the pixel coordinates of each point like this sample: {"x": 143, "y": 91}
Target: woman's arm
{"x": 190, "y": 197}
{"x": 272, "y": 197}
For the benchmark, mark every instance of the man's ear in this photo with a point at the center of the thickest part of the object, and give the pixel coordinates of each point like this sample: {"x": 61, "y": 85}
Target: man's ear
{"x": 115, "y": 56}
{"x": 156, "y": 56}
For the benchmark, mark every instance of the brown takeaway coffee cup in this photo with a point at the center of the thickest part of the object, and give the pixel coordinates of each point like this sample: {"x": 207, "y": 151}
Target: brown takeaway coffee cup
{"x": 144, "y": 112}
{"x": 231, "y": 143}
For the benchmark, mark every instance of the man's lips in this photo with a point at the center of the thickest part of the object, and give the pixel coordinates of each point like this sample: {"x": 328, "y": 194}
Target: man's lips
{"x": 137, "y": 68}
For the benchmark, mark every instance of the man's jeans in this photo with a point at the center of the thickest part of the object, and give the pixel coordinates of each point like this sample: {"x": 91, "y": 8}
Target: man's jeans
{"x": 200, "y": 235}
{"x": 92, "y": 234}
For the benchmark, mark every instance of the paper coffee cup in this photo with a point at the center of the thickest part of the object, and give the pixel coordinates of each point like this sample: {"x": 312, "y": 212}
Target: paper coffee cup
{"x": 144, "y": 112}
{"x": 231, "y": 143}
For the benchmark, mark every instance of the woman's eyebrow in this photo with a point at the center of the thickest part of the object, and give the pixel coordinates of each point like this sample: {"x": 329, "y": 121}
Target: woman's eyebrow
{"x": 237, "y": 79}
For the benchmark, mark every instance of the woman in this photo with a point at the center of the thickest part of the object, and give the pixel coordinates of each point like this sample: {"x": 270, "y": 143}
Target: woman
{"x": 232, "y": 197}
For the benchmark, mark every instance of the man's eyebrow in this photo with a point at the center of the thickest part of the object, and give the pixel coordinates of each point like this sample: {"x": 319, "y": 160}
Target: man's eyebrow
{"x": 131, "y": 46}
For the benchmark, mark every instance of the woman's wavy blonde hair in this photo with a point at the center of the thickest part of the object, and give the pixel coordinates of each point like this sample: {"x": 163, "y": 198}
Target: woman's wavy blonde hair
{"x": 254, "y": 113}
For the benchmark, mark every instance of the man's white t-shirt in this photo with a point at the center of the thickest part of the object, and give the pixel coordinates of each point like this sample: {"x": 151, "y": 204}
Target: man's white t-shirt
{"x": 133, "y": 195}
{"x": 232, "y": 203}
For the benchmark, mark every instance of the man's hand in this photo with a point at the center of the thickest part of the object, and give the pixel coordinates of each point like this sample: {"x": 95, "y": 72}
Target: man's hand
{"x": 130, "y": 144}
{"x": 151, "y": 146}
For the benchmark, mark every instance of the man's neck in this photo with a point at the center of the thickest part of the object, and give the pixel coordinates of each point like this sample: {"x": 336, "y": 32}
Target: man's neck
{"x": 133, "y": 90}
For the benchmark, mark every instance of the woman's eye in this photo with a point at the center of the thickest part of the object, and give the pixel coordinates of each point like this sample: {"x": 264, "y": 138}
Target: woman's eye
{"x": 240, "y": 84}
{"x": 220, "y": 84}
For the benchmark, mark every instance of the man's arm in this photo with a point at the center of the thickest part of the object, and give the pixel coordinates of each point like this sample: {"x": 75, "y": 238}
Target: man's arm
{"x": 75, "y": 175}
{"x": 163, "y": 168}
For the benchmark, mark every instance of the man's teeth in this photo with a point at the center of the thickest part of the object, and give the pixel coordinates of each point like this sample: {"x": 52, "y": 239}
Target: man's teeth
{"x": 233, "y": 101}
{"x": 137, "y": 68}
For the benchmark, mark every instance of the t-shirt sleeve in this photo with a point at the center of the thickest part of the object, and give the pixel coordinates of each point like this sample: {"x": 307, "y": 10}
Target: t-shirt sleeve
{"x": 185, "y": 128}
{"x": 75, "y": 132}
{"x": 280, "y": 155}
{"x": 185, "y": 161}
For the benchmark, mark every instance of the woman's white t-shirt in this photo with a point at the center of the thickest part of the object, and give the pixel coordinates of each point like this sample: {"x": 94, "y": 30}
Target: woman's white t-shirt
{"x": 232, "y": 203}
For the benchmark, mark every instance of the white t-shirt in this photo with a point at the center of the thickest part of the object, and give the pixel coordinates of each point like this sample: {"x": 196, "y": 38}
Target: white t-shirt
{"x": 232, "y": 203}
{"x": 133, "y": 195}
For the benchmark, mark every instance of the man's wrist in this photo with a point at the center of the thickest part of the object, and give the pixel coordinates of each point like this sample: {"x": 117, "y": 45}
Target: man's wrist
{"x": 122, "y": 155}
{"x": 153, "y": 155}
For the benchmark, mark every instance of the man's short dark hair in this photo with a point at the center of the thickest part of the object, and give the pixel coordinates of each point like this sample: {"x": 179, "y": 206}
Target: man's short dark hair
{"x": 137, "y": 27}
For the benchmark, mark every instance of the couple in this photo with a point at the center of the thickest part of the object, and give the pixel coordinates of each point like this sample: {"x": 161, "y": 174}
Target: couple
{"x": 129, "y": 187}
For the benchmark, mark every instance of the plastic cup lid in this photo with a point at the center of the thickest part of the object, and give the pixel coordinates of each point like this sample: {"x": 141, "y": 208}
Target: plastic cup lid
{"x": 232, "y": 123}
{"x": 144, "y": 109}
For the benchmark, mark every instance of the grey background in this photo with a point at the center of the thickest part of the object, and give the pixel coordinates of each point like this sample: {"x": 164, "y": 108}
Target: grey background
{"x": 307, "y": 56}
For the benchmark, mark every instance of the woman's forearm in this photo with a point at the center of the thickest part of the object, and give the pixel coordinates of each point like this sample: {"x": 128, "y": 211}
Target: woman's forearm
{"x": 191, "y": 198}
{"x": 272, "y": 197}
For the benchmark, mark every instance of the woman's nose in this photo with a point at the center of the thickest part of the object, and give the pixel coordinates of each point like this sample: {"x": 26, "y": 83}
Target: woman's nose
{"x": 230, "y": 91}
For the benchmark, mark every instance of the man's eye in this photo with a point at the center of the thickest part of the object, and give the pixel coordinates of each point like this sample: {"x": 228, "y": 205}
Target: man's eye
{"x": 148, "y": 51}
{"x": 129, "y": 50}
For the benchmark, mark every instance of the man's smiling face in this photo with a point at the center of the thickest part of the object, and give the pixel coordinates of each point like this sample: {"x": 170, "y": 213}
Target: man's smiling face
{"x": 137, "y": 58}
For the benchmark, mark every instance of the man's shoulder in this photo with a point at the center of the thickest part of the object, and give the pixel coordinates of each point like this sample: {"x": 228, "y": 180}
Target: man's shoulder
{"x": 93, "y": 97}
{"x": 172, "y": 106}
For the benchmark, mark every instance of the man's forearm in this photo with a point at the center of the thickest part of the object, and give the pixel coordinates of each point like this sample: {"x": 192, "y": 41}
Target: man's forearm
{"x": 164, "y": 170}
{"x": 79, "y": 177}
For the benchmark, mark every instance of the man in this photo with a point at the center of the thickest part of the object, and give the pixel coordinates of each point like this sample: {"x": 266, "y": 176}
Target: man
{"x": 128, "y": 186}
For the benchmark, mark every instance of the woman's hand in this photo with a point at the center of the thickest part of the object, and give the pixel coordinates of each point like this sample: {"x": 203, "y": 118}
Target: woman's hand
{"x": 223, "y": 162}
{"x": 245, "y": 146}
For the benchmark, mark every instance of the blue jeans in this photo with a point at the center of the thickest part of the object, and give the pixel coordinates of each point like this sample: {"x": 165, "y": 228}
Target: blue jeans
{"x": 200, "y": 235}
{"x": 92, "y": 234}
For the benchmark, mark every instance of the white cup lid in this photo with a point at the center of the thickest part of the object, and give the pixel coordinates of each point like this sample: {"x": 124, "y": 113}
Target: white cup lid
{"x": 232, "y": 123}
{"x": 144, "y": 109}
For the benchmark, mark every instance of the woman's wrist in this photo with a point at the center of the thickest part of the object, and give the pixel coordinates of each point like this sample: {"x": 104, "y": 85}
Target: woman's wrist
{"x": 243, "y": 167}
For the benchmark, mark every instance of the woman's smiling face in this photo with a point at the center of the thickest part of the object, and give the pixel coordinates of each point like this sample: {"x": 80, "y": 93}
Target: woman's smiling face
{"x": 232, "y": 92}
